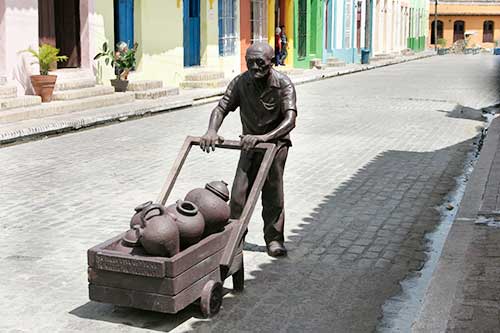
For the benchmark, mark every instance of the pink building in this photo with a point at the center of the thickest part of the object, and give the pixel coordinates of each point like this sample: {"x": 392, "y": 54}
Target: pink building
{"x": 28, "y": 23}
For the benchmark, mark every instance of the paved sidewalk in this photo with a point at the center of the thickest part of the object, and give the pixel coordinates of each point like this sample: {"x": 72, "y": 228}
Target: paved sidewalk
{"x": 35, "y": 128}
{"x": 464, "y": 294}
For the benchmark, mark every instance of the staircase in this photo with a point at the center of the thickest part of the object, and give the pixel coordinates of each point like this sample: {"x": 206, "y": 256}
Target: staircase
{"x": 202, "y": 78}
{"x": 75, "y": 90}
{"x": 382, "y": 57}
{"x": 334, "y": 62}
{"x": 9, "y": 98}
{"x": 151, "y": 89}
{"x": 317, "y": 63}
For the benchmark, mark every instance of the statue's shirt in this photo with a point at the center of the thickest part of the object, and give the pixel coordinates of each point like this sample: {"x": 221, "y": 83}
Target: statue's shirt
{"x": 262, "y": 104}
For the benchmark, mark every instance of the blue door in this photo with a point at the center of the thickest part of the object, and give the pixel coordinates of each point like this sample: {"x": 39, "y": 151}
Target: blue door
{"x": 191, "y": 32}
{"x": 124, "y": 21}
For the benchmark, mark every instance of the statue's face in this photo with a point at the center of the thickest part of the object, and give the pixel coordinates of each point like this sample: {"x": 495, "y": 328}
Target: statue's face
{"x": 258, "y": 63}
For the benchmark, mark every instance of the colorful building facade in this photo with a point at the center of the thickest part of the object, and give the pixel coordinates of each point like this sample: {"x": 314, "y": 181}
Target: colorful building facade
{"x": 346, "y": 28}
{"x": 476, "y": 21}
{"x": 399, "y": 25}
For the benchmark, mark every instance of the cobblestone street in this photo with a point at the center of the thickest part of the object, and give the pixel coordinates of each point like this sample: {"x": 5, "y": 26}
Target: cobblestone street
{"x": 373, "y": 154}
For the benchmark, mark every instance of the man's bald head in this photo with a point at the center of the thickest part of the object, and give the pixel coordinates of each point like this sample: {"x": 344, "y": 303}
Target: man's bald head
{"x": 259, "y": 49}
{"x": 259, "y": 59}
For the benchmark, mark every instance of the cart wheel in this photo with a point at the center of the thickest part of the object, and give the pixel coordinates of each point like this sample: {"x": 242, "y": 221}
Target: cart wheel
{"x": 211, "y": 298}
{"x": 239, "y": 278}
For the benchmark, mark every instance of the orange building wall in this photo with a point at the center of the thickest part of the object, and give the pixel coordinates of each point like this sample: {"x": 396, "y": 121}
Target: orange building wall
{"x": 245, "y": 31}
{"x": 472, "y": 23}
{"x": 473, "y": 16}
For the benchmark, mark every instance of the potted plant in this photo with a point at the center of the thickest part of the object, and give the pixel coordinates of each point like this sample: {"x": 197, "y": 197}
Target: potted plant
{"x": 441, "y": 42}
{"x": 122, "y": 60}
{"x": 43, "y": 84}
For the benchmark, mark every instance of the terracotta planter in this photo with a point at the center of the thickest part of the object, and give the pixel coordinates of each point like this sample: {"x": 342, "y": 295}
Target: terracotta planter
{"x": 44, "y": 86}
{"x": 120, "y": 85}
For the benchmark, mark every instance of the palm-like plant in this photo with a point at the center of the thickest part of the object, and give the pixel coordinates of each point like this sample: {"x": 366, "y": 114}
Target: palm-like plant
{"x": 46, "y": 55}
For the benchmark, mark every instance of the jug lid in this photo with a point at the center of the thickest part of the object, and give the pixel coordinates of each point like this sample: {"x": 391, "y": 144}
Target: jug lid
{"x": 219, "y": 188}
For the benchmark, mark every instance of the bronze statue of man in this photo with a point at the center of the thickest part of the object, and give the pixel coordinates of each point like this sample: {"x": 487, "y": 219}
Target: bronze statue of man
{"x": 267, "y": 103}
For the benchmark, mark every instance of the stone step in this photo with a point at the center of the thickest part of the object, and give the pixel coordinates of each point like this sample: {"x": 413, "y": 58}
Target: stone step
{"x": 204, "y": 83}
{"x": 156, "y": 93}
{"x": 204, "y": 76}
{"x": 82, "y": 93}
{"x": 143, "y": 85}
{"x": 68, "y": 84}
{"x": 63, "y": 107}
{"x": 19, "y": 102}
{"x": 382, "y": 57}
{"x": 334, "y": 62}
{"x": 8, "y": 91}
{"x": 3, "y": 80}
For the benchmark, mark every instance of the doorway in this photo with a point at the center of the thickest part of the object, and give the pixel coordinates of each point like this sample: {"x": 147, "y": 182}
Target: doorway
{"x": 458, "y": 30}
{"x": 124, "y": 21}
{"x": 191, "y": 32}
{"x": 59, "y": 26}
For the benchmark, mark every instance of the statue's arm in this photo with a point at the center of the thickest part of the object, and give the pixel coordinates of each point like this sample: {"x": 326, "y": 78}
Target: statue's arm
{"x": 283, "y": 128}
{"x": 229, "y": 102}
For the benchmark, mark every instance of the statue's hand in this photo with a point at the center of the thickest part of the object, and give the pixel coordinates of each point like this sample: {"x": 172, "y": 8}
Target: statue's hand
{"x": 250, "y": 141}
{"x": 209, "y": 140}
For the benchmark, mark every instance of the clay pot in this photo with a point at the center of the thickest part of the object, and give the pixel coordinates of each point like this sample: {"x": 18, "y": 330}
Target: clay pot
{"x": 132, "y": 237}
{"x": 136, "y": 219}
{"x": 160, "y": 234}
{"x": 43, "y": 85}
{"x": 189, "y": 220}
{"x": 120, "y": 85}
{"x": 212, "y": 203}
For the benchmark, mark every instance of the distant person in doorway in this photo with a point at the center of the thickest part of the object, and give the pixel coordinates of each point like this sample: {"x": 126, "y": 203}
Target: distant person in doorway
{"x": 277, "y": 47}
{"x": 284, "y": 46}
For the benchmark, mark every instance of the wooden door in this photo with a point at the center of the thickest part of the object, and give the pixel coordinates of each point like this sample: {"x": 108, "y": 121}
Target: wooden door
{"x": 46, "y": 22}
{"x": 191, "y": 32}
{"x": 124, "y": 22}
{"x": 67, "y": 28}
{"x": 458, "y": 30}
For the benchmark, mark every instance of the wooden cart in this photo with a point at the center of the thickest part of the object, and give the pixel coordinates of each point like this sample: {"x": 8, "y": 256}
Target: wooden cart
{"x": 136, "y": 279}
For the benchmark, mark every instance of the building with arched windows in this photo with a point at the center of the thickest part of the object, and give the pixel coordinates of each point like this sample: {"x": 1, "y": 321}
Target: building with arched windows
{"x": 478, "y": 21}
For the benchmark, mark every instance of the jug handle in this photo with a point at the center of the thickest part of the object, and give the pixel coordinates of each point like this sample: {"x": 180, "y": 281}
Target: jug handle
{"x": 149, "y": 208}
{"x": 142, "y": 206}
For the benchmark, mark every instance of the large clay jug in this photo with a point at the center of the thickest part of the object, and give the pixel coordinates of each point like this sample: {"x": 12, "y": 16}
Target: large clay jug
{"x": 189, "y": 220}
{"x": 160, "y": 235}
{"x": 212, "y": 203}
{"x": 136, "y": 219}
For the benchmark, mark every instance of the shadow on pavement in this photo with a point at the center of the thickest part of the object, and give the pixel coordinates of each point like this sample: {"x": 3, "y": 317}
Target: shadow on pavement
{"x": 344, "y": 261}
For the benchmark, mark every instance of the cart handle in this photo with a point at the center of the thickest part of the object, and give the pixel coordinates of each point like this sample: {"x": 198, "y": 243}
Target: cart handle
{"x": 242, "y": 223}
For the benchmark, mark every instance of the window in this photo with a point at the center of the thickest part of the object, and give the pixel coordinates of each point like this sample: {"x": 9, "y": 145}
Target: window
{"x": 458, "y": 30}
{"x": 439, "y": 31}
{"x": 488, "y": 27}
{"x": 227, "y": 27}
{"x": 258, "y": 20}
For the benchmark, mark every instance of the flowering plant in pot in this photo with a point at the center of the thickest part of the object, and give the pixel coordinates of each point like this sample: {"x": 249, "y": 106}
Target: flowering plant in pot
{"x": 122, "y": 60}
{"x": 46, "y": 56}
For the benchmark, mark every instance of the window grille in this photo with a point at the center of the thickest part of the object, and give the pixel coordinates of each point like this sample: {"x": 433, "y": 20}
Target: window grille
{"x": 227, "y": 27}
{"x": 258, "y": 21}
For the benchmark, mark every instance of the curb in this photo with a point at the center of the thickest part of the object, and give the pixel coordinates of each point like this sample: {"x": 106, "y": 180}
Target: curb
{"x": 147, "y": 108}
{"x": 450, "y": 270}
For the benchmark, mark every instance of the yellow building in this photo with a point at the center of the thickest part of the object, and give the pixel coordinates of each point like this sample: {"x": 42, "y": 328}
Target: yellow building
{"x": 175, "y": 37}
{"x": 477, "y": 20}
